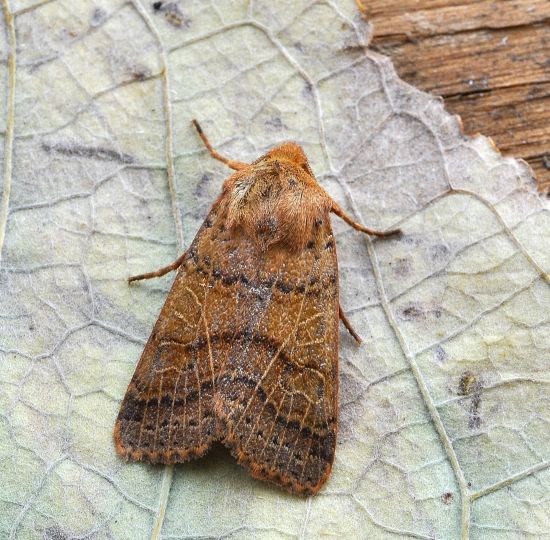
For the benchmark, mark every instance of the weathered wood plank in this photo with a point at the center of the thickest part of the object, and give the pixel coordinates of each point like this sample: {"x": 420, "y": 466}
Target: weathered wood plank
{"x": 432, "y": 17}
{"x": 489, "y": 59}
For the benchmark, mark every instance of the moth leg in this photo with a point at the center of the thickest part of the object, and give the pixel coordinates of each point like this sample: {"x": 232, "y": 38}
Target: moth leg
{"x": 160, "y": 271}
{"x": 347, "y": 324}
{"x": 341, "y": 214}
{"x": 237, "y": 165}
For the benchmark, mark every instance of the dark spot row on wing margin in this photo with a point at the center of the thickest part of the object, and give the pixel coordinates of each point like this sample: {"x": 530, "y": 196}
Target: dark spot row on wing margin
{"x": 133, "y": 407}
{"x": 285, "y": 288}
{"x": 325, "y": 446}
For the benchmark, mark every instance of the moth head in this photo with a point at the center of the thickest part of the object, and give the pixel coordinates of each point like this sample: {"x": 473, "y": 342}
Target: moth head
{"x": 289, "y": 152}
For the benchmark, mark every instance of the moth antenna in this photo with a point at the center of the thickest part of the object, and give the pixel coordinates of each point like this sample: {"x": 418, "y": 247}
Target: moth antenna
{"x": 236, "y": 165}
{"x": 347, "y": 324}
{"x": 341, "y": 214}
{"x": 160, "y": 272}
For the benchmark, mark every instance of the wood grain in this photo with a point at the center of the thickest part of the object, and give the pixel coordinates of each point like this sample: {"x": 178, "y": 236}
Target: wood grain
{"x": 489, "y": 60}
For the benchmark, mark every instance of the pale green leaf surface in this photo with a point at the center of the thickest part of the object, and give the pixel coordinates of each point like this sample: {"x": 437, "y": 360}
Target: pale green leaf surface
{"x": 444, "y": 411}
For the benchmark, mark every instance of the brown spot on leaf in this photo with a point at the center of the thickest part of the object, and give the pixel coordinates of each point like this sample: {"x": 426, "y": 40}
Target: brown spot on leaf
{"x": 54, "y": 533}
{"x": 98, "y": 17}
{"x": 439, "y": 253}
{"x": 470, "y": 385}
{"x": 71, "y": 149}
{"x": 172, "y": 13}
{"x": 402, "y": 267}
{"x": 466, "y": 384}
{"x": 412, "y": 312}
{"x": 440, "y": 354}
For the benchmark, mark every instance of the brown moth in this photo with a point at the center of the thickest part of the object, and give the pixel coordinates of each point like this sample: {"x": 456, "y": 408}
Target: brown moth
{"x": 245, "y": 349}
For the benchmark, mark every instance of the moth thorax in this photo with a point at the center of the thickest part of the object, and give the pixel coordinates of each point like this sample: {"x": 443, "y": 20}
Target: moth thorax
{"x": 274, "y": 212}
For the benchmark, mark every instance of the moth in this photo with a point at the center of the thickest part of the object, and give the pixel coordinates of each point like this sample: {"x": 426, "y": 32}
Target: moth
{"x": 245, "y": 349}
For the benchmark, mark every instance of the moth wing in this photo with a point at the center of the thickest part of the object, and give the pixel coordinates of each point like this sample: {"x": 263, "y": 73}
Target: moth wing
{"x": 167, "y": 414}
{"x": 277, "y": 392}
